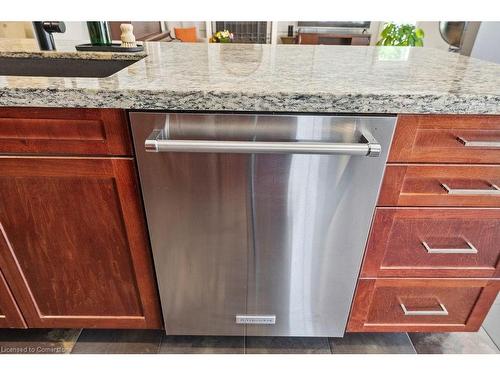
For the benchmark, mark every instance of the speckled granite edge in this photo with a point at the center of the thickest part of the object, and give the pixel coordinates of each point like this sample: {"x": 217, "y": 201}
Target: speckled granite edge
{"x": 248, "y": 102}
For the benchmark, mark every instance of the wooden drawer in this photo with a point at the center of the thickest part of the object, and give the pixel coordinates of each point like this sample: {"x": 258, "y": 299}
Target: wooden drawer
{"x": 441, "y": 185}
{"x": 64, "y": 131}
{"x": 440, "y": 139}
{"x": 434, "y": 243}
{"x": 430, "y": 304}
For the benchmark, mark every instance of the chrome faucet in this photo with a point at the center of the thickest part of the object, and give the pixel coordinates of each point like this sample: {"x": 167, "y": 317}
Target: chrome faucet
{"x": 43, "y": 33}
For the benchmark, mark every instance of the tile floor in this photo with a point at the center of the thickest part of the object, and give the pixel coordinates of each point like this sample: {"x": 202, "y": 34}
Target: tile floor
{"x": 492, "y": 323}
{"x": 151, "y": 342}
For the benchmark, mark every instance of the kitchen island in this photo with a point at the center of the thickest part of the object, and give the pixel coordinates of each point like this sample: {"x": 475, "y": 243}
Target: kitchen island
{"x": 75, "y": 249}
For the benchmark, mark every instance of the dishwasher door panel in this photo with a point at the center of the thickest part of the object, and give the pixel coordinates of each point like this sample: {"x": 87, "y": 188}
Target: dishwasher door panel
{"x": 312, "y": 215}
{"x": 277, "y": 237}
{"x": 198, "y": 219}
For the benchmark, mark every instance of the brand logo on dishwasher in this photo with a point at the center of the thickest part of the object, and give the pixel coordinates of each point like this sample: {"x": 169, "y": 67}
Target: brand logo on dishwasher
{"x": 256, "y": 319}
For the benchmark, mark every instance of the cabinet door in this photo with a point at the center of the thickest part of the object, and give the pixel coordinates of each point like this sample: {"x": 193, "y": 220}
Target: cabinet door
{"x": 10, "y": 316}
{"x": 74, "y": 247}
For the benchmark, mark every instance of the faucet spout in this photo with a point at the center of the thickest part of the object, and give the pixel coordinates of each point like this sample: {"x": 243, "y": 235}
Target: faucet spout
{"x": 43, "y": 32}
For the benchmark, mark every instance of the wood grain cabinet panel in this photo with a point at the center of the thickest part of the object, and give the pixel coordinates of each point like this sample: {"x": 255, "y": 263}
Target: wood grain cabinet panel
{"x": 434, "y": 243}
{"x": 74, "y": 247}
{"x": 441, "y": 185}
{"x": 432, "y": 262}
{"x": 421, "y": 305}
{"x": 64, "y": 131}
{"x": 10, "y": 316}
{"x": 446, "y": 139}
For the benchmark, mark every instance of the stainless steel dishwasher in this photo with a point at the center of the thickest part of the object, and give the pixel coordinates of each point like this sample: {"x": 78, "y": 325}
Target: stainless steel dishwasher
{"x": 258, "y": 222}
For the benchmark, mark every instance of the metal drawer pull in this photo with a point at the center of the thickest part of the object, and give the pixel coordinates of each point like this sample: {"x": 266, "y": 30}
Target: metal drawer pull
{"x": 441, "y": 312}
{"x": 494, "y": 191}
{"x": 158, "y": 141}
{"x": 482, "y": 144}
{"x": 470, "y": 250}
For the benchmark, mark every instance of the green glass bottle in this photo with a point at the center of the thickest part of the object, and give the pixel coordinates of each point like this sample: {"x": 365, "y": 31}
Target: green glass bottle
{"x": 99, "y": 33}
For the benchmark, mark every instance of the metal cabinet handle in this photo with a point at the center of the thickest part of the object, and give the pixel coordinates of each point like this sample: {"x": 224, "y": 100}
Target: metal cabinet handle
{"x": 494, "y": 191}
{"x": 441, "y": 312}
{"x": 482, "y": 144}
{"x": 159, "y": 142}
{"x": 470, "y": 250}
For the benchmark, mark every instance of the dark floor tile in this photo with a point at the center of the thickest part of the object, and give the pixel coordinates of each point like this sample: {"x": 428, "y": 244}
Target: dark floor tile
{"x": 372, "y": 343}
{"x": 37, "y": 341}
{"x": 118, "y": 341}
{"x": 287, "y": 345}
{"x": 202, "y": 345}
{"x": 453, "y": 343}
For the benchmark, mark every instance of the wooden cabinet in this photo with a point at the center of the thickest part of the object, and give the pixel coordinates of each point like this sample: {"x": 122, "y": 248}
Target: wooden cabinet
{"x": 421, "y": 305}
{"x": 433, "y": 261}
{"x": 446, "y": 139}
{"x": 74, "y": 246}
{"x": 441, "y": 185}
{"x": 74, "y": 250}
{"x": 430, "y": 242}
{"x": 10, "y": 315}
{"x": 64, "y": 131}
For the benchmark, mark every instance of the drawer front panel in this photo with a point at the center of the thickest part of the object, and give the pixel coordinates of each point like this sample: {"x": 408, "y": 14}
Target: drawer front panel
{"x": 421, "y": 304}
{"x": 414, "y": 304}
{"x": 68, "y": 131}
{"x": 446, "y": 139}
{"x": 441, "y": 185}
{"x": 434, "y": 243}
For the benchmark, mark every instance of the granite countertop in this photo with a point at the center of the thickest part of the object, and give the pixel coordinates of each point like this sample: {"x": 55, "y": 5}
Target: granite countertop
{"x": 269, "y": 78}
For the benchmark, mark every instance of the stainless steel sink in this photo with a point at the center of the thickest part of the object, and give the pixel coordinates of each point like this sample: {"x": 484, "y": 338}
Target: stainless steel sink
{"x": 61, "y": 67}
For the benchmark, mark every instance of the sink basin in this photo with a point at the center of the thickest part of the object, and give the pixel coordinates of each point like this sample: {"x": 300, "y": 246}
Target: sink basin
{"x": 61, "y": 67}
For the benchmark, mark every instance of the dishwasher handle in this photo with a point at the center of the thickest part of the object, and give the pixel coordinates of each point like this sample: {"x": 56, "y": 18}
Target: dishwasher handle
{"x": 158, "y": 142}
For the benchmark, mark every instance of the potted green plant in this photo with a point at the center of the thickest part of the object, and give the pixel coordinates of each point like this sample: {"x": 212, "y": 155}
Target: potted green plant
{"x": 407, "y": 35}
